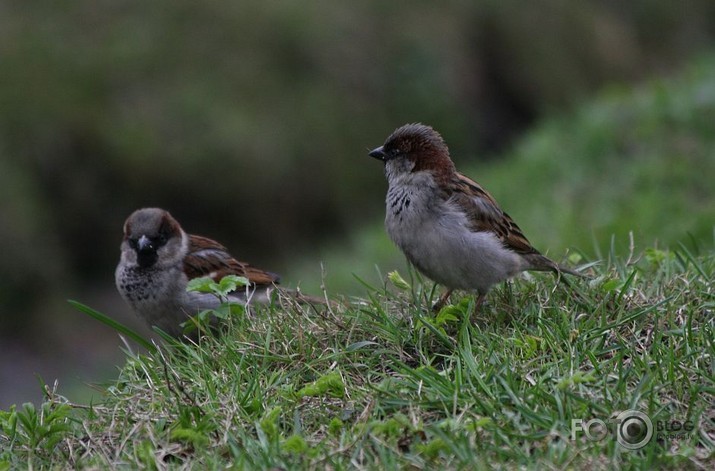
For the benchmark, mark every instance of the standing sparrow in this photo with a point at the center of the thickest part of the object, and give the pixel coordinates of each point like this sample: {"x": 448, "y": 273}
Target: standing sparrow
{"x": 157, "y": 261}
{"x": 447, "y": 225}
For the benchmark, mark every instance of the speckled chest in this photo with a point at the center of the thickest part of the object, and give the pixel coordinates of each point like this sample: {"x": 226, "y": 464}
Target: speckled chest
{"x": 141, "y": 285}
{"x": 398, "y": 203}
{"x": 410, "y": 199}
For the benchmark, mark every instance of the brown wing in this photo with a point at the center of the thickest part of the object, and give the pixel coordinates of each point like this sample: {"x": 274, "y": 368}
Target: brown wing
{"x": 485, "y": 215}
{"x": 207, "y": 257}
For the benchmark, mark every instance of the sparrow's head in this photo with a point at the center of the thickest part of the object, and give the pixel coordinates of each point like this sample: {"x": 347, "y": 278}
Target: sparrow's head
{"x": 415, "y": 148}
{"x": 152, "y": 235}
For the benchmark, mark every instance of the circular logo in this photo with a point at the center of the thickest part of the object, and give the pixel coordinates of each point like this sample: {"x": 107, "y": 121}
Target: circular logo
{"x": 595, "y": 430}
{"x": 634, "y": 429}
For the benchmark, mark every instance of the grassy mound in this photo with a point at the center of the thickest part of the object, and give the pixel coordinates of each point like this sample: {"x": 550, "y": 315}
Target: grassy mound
{"x": 385, "y": 383}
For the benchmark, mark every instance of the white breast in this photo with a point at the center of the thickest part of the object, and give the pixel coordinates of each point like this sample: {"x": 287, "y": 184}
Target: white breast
{"x": 435, "y": 237}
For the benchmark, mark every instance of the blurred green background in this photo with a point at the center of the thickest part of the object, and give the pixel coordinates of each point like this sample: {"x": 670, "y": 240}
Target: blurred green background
{"x": 250, "y": 121}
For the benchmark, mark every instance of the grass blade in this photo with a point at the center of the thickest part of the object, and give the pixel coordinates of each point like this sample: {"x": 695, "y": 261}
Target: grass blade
{"x": 118, "y": 326}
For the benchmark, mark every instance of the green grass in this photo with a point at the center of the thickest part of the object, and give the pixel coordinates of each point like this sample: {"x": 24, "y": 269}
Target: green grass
{"x": 383, "y": 382}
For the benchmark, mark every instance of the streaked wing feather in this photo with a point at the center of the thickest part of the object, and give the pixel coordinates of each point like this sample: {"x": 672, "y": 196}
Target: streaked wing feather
{"x": 207, "y": 257}
{"x": 485, "y": 215}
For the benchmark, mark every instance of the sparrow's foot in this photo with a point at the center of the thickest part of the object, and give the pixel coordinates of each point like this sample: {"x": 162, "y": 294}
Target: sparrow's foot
{"x": 477, "y": 307}
{"x": 441, "y": 301}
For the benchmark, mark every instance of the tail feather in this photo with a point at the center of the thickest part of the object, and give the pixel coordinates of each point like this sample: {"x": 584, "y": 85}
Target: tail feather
{"x": 538, "y": 262}
{"x": 570, "y": 271}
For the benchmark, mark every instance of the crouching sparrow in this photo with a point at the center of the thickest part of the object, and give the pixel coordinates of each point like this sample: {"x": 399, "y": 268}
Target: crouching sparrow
{"x": 157, "y": 261}
{"x": 447, "y": 225}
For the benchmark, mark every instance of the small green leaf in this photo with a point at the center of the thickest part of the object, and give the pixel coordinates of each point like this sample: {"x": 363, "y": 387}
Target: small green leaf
{"x": 335, "y": 426}
{"x": 577, "y": 378}
{"x": 392, "y": 427}
{"x": 575, "y": 258}
{"x": 192, "y": 436}
{"x": 269, "y": 423}
{"x": 294, "y": 444}
{"x": 478, "y": 424}
{"x": 221, "y": 289}
{"x": 447, "y": 315}
{"x": 226, "y": 310}
{"x": 145, "y": 454}
{"x": 330, "y": 384}
{"x": 229, "y": 283}
{"x": 656, "y": 256}
{"x": 432, "y": 448}
{"x": 201, "y": 285}
{"x": 612, "y": 285}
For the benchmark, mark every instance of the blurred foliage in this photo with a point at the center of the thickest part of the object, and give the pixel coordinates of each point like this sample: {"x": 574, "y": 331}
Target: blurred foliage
{"x": 250, "y": 120}
{"x": 634, "y": 160}
{"x": 638, "y": 160}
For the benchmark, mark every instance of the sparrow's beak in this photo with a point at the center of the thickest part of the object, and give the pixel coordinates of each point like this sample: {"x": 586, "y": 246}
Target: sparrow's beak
{"x": 378, "y": 153}
{"x": 146, "y": 252}
{"x": 144, "y": 244}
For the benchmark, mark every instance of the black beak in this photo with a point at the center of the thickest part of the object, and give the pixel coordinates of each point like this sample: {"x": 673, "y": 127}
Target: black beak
{"x": 146, "y": 252}
{"x": 378, "y": 153}
{"x": 144, "y": 244}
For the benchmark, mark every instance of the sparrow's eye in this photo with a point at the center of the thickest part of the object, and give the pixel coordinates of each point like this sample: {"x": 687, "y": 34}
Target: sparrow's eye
{"x": 394, "y": 151}
{"x": 161, "y": 239}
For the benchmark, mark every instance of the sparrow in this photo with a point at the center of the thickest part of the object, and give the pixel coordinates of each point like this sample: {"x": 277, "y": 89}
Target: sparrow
{"x": 157, "y": 261}
{"x": 446, "y": 224}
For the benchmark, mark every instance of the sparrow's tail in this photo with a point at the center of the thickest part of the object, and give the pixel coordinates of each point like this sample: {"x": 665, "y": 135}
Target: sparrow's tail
{"x": 539, "y": 262}
{"x": 570, "y": 271}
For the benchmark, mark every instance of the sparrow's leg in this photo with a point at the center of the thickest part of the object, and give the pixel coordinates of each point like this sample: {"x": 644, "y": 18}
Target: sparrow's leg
{"x": 442, "y": 300}
{"x": 477, "y": 306}
{"x": 480, "y": 300}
